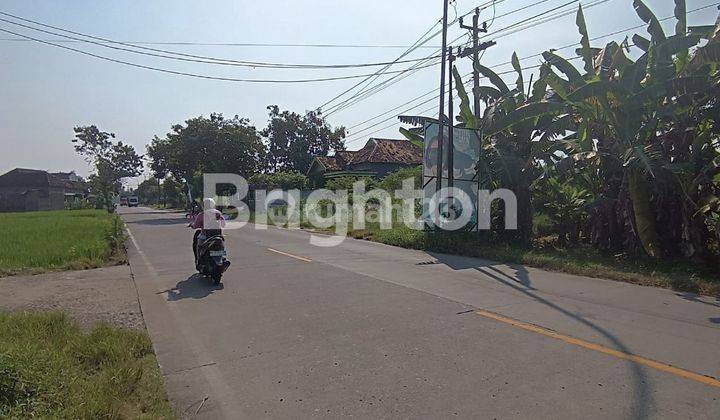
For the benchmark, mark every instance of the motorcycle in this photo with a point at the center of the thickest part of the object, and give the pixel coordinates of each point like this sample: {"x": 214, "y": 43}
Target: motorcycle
{"x": 212, "y": 259}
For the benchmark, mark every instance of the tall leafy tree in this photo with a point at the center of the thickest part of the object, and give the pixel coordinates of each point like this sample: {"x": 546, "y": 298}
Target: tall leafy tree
{"x": 648, "y": 129}
{"x": 517, "y": 129}
{"x": 645, "y": 126}
{"x": 293, "y": 139}
{"x": 204, "y": 145}
{"x": 113, "y": 161}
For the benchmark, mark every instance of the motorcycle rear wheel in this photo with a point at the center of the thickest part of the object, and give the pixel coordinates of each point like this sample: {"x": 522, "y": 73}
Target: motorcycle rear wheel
{"x": 216, "y": 279}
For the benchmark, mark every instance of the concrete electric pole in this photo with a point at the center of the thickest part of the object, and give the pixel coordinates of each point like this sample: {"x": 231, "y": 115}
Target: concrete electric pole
{"x": 441, "y": 133}
{"x": 476, "y": 30}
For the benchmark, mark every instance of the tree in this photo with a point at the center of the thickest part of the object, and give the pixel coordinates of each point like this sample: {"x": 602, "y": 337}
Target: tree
{"x": 648, "y": 128}
{"x": 293, "y": 139}
{"x": 148, "y": 191}
{"x": 207, "y": 145}
{"x": 517, "y": 132}
{"x": 172, "y": 193}
{"x": 113, "y": 161}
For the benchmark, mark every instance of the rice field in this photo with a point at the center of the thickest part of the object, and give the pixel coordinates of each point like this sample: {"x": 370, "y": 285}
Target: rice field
{"x": 58, "y": 240}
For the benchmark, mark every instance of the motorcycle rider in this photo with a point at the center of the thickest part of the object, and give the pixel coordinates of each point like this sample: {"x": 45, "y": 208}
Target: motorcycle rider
{"x": 207, "y": 223}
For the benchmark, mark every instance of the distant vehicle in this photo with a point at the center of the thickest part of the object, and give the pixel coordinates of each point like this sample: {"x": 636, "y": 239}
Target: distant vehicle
{"x": 133, "y": 201}
{"x": 123, "y": 201}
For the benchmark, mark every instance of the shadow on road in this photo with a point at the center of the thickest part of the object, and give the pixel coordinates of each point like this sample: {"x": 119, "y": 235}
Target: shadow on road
{"x": 521, "y": 276}
{"x": 125, "y": 212}
{"x": 642, "y": 398}
{"x": 692, "y": 297}
{"x": 158, "y": 222}
{"x": 196, "y": 286}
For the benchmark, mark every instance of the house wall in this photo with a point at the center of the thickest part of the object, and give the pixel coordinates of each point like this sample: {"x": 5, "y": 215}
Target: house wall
{"x": 56, "y": 199}
{"x": 19, "y": 199}
{"x": 315, "y": 176}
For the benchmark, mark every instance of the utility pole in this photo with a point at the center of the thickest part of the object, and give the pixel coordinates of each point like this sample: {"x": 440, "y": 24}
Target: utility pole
{"x": 476, "y": 30}
{"x": 451, "y": 117}
{"x": 441, "y": 133}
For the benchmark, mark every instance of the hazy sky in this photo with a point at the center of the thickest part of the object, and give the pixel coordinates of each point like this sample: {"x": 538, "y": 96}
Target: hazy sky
{"x": 45, "y": 91}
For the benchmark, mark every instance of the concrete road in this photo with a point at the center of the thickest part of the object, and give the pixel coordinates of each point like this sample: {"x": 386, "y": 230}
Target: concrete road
{"x": 366, "y": 330}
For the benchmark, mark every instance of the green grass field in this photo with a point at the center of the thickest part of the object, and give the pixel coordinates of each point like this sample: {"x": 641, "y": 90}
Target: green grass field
{"x": 51, "y": 368}
{"x": 57, "y": 240}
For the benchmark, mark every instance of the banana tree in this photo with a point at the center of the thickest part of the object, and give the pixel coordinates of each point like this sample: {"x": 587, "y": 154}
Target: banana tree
{"x": 647, "y": 129}
{"x": 516, "y": 133}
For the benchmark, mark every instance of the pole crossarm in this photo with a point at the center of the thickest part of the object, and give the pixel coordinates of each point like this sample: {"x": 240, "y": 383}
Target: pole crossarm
{"x": 471, "y": 50}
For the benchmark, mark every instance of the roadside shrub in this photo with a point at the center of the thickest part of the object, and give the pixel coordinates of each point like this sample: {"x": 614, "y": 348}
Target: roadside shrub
{"x": 115, "y": 235}
{"x": 51, "y": 368}
{"x": 79, "y": 204}
{"x": 393, "y": 180}
{"x": 346, "y": 183}
{"x": 284, "y": 180}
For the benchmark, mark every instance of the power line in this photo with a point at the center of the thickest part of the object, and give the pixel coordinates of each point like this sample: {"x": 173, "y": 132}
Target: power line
{"x": 182, "y": 73}
{"x": 359, "y": 96}
{"x": 509, "y": 71}
{"x": 173, "y": 55}
{"x": 238, "y": 44}
{"x": 423, "y": 103}
{"x": 414, "y": 47}
{"x": 529, "y": 23}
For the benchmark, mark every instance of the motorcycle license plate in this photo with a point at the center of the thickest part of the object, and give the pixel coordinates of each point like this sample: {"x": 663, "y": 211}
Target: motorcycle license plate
{"x": 218, "y": 253}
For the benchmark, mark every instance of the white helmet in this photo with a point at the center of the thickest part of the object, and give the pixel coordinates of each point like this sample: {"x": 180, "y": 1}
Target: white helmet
{"x": 208, "y": 204}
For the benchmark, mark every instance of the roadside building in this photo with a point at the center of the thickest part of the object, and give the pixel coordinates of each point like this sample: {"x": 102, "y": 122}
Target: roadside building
{"x": 74, "y": 185}
{"x": 376, "y": 159}
{"x": 36, "y": 190}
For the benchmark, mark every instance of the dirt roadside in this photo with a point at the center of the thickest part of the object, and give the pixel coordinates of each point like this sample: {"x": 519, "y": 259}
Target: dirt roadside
{"x": 103, "y": 294}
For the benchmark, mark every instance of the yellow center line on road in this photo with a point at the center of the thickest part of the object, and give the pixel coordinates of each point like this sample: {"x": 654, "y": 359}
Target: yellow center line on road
{"x": 707, "y": 380}
{"x": 297, "y": 257}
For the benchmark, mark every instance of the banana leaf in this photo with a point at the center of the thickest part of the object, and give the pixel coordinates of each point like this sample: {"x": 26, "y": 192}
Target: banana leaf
{"x": 524, "y": 113}
{"x": 538, "y": 90}
{"x": 592, "y": 89}
{"x": 710, "y": 53}
{"x": 560, "y": 86}
{"x": 689, "y": 85}
{"x": 619, "y": 60}
{"x": 414, "y": 138}
{"x": 681, "y": 30}
{"x": 681, "y": 16}
{"x": 640, "y": 195}
{"x": 641, "y": 42}
{"x": 654, "y": 28}
{"x": 563, "y": 65}
{"x": 487, "y": 92}
{"x": 466, "y": 113}
{"x": 633, "y": 74}
{"x": 704, "y": 31}
{"x": 586, "y": 52}
{"x": 516, "y": 65}
{"x": 493, "y": 77}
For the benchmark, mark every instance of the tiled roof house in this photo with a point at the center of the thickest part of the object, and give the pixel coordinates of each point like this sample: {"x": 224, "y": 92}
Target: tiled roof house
{"x": 377, "y": 158}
